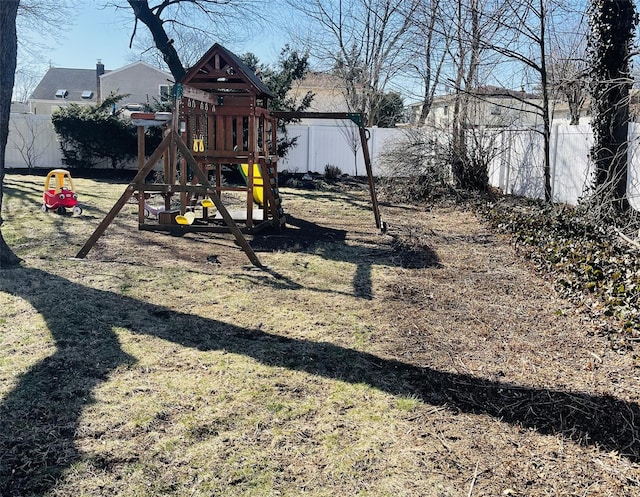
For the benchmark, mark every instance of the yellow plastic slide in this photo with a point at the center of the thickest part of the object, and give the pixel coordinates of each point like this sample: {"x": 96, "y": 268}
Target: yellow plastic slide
{"x": 258, "y": 182}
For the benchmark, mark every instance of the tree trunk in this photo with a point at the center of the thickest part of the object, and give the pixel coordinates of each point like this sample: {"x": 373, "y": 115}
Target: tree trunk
{"x": 613, "y": 24}
{"x": 144, "y": 14}
{"x": 546, "y": 115}
{"x": 8, "y": 54}
{"x": 463, "y": 168}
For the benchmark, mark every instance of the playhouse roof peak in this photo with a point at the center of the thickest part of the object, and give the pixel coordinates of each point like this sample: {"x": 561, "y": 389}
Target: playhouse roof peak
{"x": 221, "y": 71}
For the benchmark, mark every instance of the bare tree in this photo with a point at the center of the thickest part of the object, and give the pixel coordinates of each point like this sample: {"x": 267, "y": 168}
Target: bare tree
{"x": 429, "y": 47}
{"x": 471, "y": 35}
{"x": 363, "y": 42}
{"x": 568, "y": 68}
{"x": 34, "y": 39}
{"x": 568, "y": 82}
{"x": 26, "y": 80}
{"x": 175, "y": 24}
{"x": 24, "y": 137}
{"x": 8, "y": 57}
{"x": 516, "y": 34}
{"x": 351, "y": 134}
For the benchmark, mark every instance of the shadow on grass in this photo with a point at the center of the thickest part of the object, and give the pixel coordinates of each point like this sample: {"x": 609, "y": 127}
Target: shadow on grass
{"x": 331, "y": 244}
{"x": 339, "y": 198}
{"x": 24, "y": 190}
{"x": 40, "y": 416}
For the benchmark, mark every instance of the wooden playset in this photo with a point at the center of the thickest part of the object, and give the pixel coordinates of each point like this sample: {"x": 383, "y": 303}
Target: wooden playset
{"x": 220, "y": 122}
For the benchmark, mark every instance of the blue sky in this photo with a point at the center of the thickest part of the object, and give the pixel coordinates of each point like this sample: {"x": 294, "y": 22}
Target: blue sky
{"x": 104, "y": 33}
{"x": 96, "y": 34}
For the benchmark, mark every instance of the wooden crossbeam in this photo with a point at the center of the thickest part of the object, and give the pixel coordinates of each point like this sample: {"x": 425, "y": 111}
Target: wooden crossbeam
{"x": 120, "y": 203}
{"x": 197, "y": 94}
{"x": 202, "y": 178}
{"x": 359, "y": 120}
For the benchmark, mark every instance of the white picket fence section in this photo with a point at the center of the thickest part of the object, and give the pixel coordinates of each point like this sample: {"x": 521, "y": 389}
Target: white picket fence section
{"x": 516, "y": 167}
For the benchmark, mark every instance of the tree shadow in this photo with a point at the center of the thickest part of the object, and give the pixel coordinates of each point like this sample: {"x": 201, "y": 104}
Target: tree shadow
{"x": 331, "y": 244}
{"x": 40, "y": 415}
{"x": 341, "y": 197}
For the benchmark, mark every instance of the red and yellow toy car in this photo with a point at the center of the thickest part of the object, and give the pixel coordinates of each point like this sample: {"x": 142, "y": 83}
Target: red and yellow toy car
{"x": 59, "y": 193}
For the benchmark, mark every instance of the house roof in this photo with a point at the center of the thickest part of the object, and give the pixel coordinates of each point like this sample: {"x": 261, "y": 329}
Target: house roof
{"x": 220, "y": 70}
{"x": 75, "y": 81}
{"x": 138, "y": 63}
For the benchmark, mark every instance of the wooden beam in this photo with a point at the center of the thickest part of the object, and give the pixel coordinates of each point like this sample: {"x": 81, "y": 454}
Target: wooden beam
{"x": 120, "y": 203}
{"x": 202, "y": 178}
{"x": 199, "y": 95}
{"x": 356, "y": 117}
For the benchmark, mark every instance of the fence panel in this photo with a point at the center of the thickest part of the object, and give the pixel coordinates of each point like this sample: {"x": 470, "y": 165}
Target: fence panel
{"x": 32, "y": 142}
{"x": 517, "y": 168}
{"x": 570, "y": 164}
{"x": 336, "y": 145}
{"x": 633, "y": 179}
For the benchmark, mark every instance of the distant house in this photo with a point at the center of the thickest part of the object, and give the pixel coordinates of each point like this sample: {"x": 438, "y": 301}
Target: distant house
{"x": 329, "y": 94}
{"x": 140, "y": 81}
{"x": 328, "y": 91}
{"x": 61, "y": 86}
{"x": 493, "y": 107}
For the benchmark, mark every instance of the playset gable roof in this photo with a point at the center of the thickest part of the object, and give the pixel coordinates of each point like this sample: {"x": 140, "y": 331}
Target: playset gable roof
{"x": 221, "y": 71}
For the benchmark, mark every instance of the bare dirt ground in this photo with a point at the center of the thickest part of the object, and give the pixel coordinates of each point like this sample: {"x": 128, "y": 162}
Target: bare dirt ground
{"x": 541, "y": 404}
{"x": 427, "y": 361}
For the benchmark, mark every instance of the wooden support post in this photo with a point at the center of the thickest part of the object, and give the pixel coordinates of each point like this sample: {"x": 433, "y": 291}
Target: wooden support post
{"x": 141, "y": 199}
{"x": 249, "y": 199}
{"x": 233, "y": 227}
{"x": 218, "y": 179}
{"x": 139, "y": 178}
{"x": 166, "y": 179}
{"x": 367, "y": 165}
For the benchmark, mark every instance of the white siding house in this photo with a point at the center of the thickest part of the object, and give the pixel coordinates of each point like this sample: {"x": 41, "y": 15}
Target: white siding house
{"x": 142, "y": 82}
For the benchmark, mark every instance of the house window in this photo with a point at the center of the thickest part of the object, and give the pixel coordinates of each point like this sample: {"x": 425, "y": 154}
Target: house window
{"x": 446, "y": 110}
{"x": 496, "y": 110}
{"x": 164, "y": 91}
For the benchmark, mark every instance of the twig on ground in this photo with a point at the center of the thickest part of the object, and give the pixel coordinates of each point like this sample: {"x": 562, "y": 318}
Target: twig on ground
{"x": 473, "y": 481}
{"x": 627, "y": 239}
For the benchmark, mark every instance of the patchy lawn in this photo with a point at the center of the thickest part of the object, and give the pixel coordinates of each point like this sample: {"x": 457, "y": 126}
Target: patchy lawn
{"x": 427, "y": 361}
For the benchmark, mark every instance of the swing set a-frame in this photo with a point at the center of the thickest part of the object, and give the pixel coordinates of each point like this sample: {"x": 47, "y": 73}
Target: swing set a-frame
{"x": 221, "y": 111}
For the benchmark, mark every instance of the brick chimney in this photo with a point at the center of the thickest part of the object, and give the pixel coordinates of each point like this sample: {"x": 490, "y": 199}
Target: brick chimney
{"x": 99, "y": 72}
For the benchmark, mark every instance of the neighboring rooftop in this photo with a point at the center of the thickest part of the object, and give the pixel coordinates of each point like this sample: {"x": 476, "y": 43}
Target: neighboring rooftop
{"x": 69, "y": 84}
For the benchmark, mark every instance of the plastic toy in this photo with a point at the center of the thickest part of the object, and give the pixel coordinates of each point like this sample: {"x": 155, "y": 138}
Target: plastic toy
{"x": 59, "y": 193}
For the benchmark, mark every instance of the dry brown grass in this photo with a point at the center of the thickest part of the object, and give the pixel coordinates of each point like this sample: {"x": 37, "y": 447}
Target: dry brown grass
{"x": 428, "y": 361}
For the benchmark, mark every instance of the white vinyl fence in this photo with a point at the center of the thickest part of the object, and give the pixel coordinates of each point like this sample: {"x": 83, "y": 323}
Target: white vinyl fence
{"x": 516, "y": 166}
{"x": 32, "y": 142}
{"x": 338, "y": 145}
